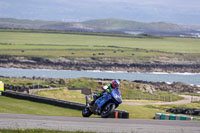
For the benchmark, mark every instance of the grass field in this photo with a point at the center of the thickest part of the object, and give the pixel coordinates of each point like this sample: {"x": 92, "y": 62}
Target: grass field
{"x": 16, "y": 106}
{"x": 11, "y": 105}
{"x": 129, "y": 90}
{"x": 135, "y": 112}
{"x": 37, "y": 131}
{"x": 63, "y": 94}
{"x": 59, "y": 44}
{"x": 30, "y": 82}
{"x": 58, "y": 41}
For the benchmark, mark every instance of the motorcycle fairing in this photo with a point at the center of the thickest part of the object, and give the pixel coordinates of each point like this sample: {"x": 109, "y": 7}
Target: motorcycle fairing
{"x": 102, "y": 100}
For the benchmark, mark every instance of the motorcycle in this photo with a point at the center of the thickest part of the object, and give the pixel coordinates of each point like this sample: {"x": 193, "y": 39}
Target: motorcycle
{"x": 103, "y": 105}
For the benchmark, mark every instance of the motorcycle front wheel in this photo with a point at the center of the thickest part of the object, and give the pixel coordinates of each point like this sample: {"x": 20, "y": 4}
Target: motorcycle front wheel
{"x": 86, "y": 112}
{"x": 107, "y": 110}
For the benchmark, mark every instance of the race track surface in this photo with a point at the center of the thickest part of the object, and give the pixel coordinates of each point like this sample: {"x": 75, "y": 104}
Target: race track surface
{"x": 21, "y": 121}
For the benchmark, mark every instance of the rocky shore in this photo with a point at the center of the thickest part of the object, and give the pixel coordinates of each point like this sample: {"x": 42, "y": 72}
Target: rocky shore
{"x": 178, "y": 87}
{"x": 104, "y": 64}
{"x": 144, "y": 86}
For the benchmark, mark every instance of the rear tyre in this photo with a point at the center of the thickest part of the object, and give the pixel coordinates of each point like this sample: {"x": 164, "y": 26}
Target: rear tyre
{"x": 107, "y": 110}
{"x": 86, "y": 112}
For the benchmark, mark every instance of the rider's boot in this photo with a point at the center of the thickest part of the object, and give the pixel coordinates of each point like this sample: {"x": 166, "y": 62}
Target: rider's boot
{"x": 95, "y": 97}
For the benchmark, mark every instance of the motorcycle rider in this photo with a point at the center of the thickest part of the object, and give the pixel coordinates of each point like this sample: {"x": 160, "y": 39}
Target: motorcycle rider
{"x": 107, "y": 88}
{"x": 114, "y": 85}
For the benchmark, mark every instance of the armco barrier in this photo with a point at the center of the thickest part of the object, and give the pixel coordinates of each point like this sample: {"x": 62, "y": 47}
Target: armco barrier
{"x": 162, "y": 116}
{"x": 59, "y": 103}
{"x": 40, "y": 99}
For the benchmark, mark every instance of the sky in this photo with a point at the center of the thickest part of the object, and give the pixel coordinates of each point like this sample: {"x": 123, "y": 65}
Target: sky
{"x": 173, "y": 11}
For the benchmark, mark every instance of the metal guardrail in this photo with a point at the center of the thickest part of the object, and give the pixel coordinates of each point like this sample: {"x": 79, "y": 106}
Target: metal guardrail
{"x": 59, "y": 103}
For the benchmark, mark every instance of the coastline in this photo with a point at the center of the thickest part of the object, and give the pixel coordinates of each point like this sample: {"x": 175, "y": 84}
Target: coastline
{"x": 168, "y": 78}
{"x": 106, "y": 71}
{"x": 149, "y": 86}
{"x": 98, "y": 64}
{"x": 143, "y": 68}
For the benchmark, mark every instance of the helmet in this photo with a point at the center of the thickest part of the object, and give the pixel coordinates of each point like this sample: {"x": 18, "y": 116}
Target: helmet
{"x": 115, "y": 84}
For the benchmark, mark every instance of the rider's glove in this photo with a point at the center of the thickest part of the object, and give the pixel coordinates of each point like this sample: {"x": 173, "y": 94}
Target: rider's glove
{"x": 105, "y": 87}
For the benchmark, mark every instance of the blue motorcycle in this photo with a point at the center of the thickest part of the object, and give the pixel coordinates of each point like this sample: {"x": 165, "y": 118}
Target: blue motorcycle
{"x": 103, "y": 105}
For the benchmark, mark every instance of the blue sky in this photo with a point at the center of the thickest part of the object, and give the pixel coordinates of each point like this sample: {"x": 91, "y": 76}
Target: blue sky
{"x": 174, "y": 11}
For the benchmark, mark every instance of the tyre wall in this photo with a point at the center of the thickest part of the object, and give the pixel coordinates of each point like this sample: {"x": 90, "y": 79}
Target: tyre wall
{"x": 162, "y": 116}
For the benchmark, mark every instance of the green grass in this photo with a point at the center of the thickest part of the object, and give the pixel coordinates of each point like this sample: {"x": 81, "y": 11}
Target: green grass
{"x": 63, "y": 94}
{"x": 140, "y": 111}
{"x": 37, "y": 131}
{"x": 148, "y": 111}
{"x": 190, "y": 94}
{"x": 11, "y": 105}
{"x": 165, "y": 107}
{"x": 129, "y": 90}
{"x": 16, "y": 106}
{"x": 54, "y": 44}
{"x": 37, "y": 42}
{"x": 83, "y": 83}
{"x": 135, "y": 112}
{"x": 30, "y": 82}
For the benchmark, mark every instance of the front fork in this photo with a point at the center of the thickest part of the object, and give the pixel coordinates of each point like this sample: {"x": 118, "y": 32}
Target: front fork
{"x": 87, "y": 101}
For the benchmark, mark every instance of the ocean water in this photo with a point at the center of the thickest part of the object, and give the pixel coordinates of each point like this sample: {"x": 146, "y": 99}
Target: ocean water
{"x": 189, "y": 78}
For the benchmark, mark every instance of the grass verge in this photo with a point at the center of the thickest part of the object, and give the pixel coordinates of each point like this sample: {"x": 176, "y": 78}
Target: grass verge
{"x": 129, "y": 90}
{"x": 11, "y": 105}
{"x": 16, "y": 106}
{"x": 30, "y": 82}
{"x": 63, "y": 94}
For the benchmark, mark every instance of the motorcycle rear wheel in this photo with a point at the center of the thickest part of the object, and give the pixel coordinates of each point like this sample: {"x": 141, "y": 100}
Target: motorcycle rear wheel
{"x": 107, "y": 110}
{"x": 86, "y": 112}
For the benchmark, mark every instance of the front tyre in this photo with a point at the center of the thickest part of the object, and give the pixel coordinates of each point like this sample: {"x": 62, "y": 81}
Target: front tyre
{"x": 107, "y": 110}
{"x": 86, "y": 112}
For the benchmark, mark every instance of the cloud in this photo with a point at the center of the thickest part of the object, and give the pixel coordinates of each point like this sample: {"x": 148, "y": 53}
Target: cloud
{"x": 177, "y": 3}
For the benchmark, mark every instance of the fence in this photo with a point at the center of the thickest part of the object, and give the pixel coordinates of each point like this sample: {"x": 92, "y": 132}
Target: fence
{"x": 167, "y": 98}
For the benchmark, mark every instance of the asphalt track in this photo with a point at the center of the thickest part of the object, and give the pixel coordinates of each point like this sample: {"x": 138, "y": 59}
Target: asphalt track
{"x": 21, "y": 121}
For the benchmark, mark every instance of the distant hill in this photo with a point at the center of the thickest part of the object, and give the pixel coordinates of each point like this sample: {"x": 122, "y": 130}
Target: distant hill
{"x": 100, "y": 25}
{"x": 126, "y": 25}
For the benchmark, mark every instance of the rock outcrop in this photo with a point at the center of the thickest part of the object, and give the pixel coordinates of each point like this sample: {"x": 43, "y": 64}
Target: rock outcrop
{"x": 174, "y": 87}
{"x": 94, "y": 64}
